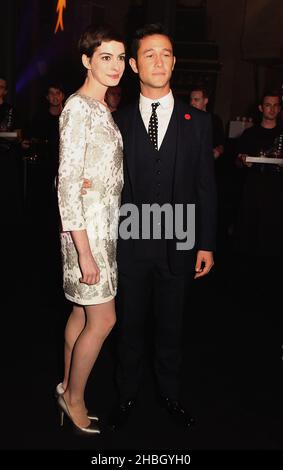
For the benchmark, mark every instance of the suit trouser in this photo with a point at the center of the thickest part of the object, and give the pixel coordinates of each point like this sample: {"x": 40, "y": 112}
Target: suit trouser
{"x": 149, "y": 287}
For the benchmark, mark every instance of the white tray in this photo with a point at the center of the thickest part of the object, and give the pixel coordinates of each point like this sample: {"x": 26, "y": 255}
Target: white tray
{"x": 274, "y": 161}
{"x": 9, "y": 135}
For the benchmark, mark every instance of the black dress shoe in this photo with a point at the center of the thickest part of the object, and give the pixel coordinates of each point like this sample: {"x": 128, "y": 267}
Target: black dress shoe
{"x": 177, "y": 412}
{"x": 120, "y": 415}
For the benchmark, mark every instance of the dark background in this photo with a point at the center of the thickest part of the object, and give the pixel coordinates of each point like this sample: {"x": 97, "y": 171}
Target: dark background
{"x": 234, "y": 47}
{"x": 233, "y": 322}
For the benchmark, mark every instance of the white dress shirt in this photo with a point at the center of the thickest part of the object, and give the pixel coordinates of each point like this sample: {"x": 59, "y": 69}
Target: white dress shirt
{"x": 164, "y": 112}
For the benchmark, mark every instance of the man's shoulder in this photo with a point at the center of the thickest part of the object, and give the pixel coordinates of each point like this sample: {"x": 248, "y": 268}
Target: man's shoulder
{"x": 189, "y": 112}
{"x": 126, "y": 109}
{"x": 124, "y": 114}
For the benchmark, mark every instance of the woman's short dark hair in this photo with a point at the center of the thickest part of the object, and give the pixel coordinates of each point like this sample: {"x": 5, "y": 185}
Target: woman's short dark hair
{"x": 94, "y": 35}
{"x": 147, "y": 30}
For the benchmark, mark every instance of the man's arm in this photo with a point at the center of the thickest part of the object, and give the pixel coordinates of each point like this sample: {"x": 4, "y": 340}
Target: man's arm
{"x": 218, "y": 136}
{"x": 206, "y": 202}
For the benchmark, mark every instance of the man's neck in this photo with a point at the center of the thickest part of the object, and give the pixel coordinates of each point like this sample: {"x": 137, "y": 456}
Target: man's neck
{"x": 268, "y": 124}
{"x": 154, "y": 93}
{"x": 55, "y": 110}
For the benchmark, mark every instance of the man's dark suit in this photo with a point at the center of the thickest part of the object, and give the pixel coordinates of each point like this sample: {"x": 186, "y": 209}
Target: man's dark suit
{"x": 146, "y": 267}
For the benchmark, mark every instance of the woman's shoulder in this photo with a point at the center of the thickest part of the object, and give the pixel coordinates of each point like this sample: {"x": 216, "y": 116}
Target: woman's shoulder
{"x": 84, "y": 103}
{"x": 76, "y": 101}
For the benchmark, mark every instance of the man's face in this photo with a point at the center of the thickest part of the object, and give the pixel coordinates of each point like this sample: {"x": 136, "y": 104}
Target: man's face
{"x": 198, "y": 100}
{"x": 55, "y": 96}
{"x": 155, "y": 61}
{"x": 3, "y": 88}
{"x": 270, "y": 107}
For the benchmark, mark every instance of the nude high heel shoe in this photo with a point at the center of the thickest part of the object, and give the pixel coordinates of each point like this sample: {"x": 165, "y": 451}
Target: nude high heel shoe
{"x": 64, "y": 410}
{"x": 59, "y": 390}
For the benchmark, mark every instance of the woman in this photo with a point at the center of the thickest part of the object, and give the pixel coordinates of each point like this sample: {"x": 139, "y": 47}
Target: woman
{"x": 91, "y": 148}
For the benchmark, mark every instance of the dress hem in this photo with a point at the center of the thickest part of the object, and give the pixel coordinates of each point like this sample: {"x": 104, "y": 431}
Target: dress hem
{"x": 87, "y": 302}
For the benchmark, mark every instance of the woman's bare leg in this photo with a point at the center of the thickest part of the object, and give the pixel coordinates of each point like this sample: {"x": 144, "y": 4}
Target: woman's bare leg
{"x": 75, "y": 324}
{"x": 100, "y": 321}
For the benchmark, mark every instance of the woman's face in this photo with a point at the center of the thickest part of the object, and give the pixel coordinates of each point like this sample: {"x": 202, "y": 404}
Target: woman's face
{"x": 107, "y": 64}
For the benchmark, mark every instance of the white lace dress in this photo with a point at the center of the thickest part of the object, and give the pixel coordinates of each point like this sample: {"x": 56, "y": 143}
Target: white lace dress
{"x": 90, "y": 147}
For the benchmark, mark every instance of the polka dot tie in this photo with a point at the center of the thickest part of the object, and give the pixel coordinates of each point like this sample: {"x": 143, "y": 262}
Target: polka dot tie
{"x": 153, "y": 126}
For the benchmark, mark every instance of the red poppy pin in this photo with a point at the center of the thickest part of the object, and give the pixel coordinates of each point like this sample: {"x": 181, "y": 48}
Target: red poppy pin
{"x": 188, "y": 116}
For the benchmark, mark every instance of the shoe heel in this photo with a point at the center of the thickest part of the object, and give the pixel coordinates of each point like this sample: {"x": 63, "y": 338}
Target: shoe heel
{"x": 61, "y": 418}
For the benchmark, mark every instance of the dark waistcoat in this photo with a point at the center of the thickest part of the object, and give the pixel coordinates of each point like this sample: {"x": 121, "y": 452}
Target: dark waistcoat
{"x": 154, "y": 174}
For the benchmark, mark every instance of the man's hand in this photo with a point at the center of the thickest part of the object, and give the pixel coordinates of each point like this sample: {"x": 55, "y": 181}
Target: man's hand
{"x": 217, "y": 151}
{"x": 86, "y": 185}
{"x": 204, "y": 263}
{"x": 25, "y": 144}
{"x": 241, "y": 161}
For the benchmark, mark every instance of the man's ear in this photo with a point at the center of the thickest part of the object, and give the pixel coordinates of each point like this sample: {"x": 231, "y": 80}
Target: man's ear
{"x": 86, "y": 61}
{"x": 205, "y": 101}
{"x": 260, "y": 108}
{"x": 133, "y": 64}
{"x": 174, "y": 62}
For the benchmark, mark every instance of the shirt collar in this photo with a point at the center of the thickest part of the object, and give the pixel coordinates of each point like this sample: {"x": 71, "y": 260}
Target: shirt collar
{"x": 166, "y": 101}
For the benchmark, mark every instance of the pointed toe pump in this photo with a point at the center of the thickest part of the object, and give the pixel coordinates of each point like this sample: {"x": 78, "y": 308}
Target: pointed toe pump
{"x": 64, "y": 411}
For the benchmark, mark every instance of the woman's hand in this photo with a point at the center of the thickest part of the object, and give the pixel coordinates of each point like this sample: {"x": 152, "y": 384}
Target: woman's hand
{"x": 90, "y": 270}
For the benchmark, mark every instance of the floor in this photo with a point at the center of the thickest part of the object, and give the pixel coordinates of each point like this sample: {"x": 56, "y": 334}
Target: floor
{"x": 232, "y": 369}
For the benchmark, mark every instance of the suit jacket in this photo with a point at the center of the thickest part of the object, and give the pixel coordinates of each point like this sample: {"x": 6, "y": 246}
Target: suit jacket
{"x": 193, "y": 180}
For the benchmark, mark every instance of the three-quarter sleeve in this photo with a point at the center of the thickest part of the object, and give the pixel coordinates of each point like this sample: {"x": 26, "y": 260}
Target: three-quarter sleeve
{"x": 73, "y": 142}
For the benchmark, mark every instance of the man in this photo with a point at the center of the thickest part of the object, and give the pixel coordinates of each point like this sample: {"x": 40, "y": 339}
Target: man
{"x": 6, "y": 110}
{"x": 167, "y": 160}
{"x": 7, "y": 117}
{"x": 260, "y": 225}
{"x": 257, "y": 269}
{"x": 199, "y": 99}
{"x": 45, "y": 127}
{"x": 42, "y": 143}
{"x": 11, "y": 208}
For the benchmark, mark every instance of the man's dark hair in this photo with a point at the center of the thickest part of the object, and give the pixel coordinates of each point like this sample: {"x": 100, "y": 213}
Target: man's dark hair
{"x": 200, "y": 87}
{"x": 94, "y": 35}
{"x": 147, "y": 30}
{"x": 272, "y": 93}
{"x": 3, "y": 77}
{"x": 56, "y": 85}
